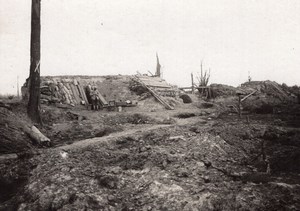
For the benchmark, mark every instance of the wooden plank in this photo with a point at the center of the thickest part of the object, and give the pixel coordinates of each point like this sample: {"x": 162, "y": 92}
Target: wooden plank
{"x": 193, "y": 87}
{"x": 159, "y": 86}
{"x": 167, "y": 106}
{"x": 275, "y": 86}
{"x": 82, "y": 93}
{"x": 68, "y": 92}
{"x": 156, "y": 84}
{"x": 71, "y": 95}
{"x": 79, "y": 90}
{"x": 186, "y": 87}
{"x": 36, "y": 135}
{"x": 154, "y": 79}
{"x": 151, "y": 79}
{"x": 162, "y": 101}
{"x": 244, "y": 98}
{"x": 102, "y": 99}
{"x": 75, "y": 93}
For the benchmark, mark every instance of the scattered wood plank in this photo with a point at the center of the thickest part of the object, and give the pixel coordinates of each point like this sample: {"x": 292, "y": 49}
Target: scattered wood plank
{"x": 36, "y": 135}
{"x": 75, "y": 93}
{"x": 102, "y": 99}
{"x": 189, "y": 87}
{"x": 63, "y": 106}
{"x": 82, "y": 93}
{"x": 283, "y": 95}
{"x": 162, "y": 101}
{"x": 252, "y": 93}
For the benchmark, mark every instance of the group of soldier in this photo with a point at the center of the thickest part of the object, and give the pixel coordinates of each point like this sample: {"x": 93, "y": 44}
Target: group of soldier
{"x": 94, "y": 94}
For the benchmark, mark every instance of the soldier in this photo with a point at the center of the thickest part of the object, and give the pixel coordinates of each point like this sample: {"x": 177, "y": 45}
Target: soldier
{"x": 95, "y": 98}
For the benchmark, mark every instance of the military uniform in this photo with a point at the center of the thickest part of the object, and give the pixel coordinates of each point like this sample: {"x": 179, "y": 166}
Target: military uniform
{"x": 95, "y": 99}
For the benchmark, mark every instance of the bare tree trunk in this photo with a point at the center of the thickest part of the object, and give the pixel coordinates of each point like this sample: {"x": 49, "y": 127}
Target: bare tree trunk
{"x": 193, "y": 88}
{"x": 35, "y": 50}
{"x": 158, "y": 66}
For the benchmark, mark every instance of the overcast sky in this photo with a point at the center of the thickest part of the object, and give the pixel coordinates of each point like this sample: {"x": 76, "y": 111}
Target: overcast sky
{"x": 92, "y": 37}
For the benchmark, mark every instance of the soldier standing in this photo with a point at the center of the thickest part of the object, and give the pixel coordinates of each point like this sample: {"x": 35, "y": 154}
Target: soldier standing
{"x": 95, "y": 99}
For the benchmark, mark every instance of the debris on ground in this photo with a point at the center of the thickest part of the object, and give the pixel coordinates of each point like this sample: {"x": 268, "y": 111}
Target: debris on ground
{"x": 200, "y": 156}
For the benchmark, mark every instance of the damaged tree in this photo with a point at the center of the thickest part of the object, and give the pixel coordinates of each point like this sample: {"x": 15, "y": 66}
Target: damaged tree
{"x": 158, "y": 66}
{"x": 203, "y": 79}
{"x": 33, "y": 109}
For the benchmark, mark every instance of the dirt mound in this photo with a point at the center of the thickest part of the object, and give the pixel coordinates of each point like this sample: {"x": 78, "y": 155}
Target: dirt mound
{"x": 264, "y": 96}
{"x": 136, "y": 118}
{"x": 268, "y": 98}
{"x": 269, "y": 88}
{"x": 221, "y": 90}
{"x": 13, "y": 177}
{"x": 165, "y": 169}
{"x": 217, "y": 163}
{"x": 12, "y": 137}
{"x": 261, "y": 104}
{"x": 284, "y": 146}
{"x": 267, "y": 145}
{"x": 53, "y": 115}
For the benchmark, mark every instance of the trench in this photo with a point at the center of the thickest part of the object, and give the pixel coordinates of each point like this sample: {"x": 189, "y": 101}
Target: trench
{"x": 14, "y": 175}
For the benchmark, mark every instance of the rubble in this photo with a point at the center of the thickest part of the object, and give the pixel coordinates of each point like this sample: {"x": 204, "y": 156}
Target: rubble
{"x": 154, "y": 170}
{"x": 149, "y": 158}
{"x": 266, "y": 88}
{"x": 256, "y": 96}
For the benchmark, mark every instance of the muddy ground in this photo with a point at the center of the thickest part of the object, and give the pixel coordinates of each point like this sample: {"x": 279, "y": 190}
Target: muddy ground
{"x": 196, "y": 157}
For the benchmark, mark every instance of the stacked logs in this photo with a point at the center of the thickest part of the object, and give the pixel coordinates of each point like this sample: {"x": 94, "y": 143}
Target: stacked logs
{"x": 66, "y": 91}
{"x": 160, "y": 87}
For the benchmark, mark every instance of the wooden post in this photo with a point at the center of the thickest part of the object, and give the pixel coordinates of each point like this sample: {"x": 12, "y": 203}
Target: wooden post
{"x": 18, "y": 91}
{"x": 33, "y": 109}
{"x": 209, "y": 92}
{"x": 193, "y": 88}
{"x": 240, "y": 107}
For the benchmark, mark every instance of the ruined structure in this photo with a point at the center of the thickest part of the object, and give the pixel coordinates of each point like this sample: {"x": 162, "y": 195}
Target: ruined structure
{"x": 75, "y": 90}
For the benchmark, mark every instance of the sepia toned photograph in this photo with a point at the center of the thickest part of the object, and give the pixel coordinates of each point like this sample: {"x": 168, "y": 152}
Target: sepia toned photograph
{"x": 162, "y": 105}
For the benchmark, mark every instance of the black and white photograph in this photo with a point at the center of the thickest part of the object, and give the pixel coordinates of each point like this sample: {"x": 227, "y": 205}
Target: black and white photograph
{"x": 138, "y": 105}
